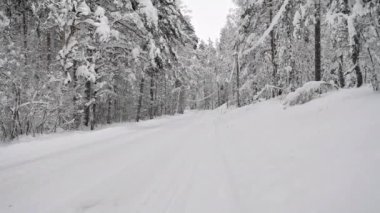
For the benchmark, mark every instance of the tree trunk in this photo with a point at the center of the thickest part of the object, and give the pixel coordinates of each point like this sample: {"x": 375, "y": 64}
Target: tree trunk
{"x": 219, "y": 99}
{"x": 77, "y": 115}
{"x": 88, "y": 116}
{"x": 374, "y": 81}
{"x": 165, "y": 97}
{"x": 205, "y": 95}
{"x": 355, "y": 61}
{"x": 48, "y": 50}
{"x": 16, "y": 126}
{"x": 238, "y": 80}
{"x": 151, "y": 91}
{"x": 138, "y": 116}
{"x": 318, "y": 47}
{"x": 25, "y": 31}
{"x": 273, "y": 45}
{"x": 181, "y": 101}
{"x": 109, "y": 109}
{"x": 92, "y": 119}
{"x": 342, "y": 82}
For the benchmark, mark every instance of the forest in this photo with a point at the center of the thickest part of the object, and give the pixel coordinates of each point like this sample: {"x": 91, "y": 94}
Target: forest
{"x": 80, "y": 64}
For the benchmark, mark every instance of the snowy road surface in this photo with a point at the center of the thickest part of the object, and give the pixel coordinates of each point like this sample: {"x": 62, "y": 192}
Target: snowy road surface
{"x": 323, "y": 156}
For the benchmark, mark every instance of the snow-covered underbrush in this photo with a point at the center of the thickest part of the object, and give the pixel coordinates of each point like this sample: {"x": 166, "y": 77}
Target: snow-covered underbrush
{"x": 308, "y": 92}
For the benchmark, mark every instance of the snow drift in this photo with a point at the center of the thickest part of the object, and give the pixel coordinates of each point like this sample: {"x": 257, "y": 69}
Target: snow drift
{"x": 307, "y": 92}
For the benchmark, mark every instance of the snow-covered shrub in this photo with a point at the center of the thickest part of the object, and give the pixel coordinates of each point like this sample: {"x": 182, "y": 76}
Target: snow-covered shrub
{"x": 308, "y": 92}
{"x": 4, "y": 20}
{"x": 268, "y": 92}
{"x": 87, "y": 72}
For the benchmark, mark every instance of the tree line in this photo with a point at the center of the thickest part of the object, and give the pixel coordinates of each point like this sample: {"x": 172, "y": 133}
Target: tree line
{"x": 74, "y": 64}
{"x": 279, "y": 45}
{"x": 79, "y": 64}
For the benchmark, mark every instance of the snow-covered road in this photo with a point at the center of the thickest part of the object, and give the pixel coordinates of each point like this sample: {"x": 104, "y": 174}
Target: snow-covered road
{"x": 320, "y": 157}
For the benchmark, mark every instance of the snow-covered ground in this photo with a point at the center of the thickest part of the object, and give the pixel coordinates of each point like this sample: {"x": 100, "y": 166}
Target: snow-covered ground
{"x": 323, "y": 156}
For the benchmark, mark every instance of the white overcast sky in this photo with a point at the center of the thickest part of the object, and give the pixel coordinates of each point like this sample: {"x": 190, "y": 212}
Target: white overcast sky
{"x": 209, "y": 16}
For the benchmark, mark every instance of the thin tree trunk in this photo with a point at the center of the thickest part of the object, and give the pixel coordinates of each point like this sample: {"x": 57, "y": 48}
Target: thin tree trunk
{"x": 238, "y": 80}
{"x": 139, "y": 106}
{"x": 109, "y": 107}
{"x": 166, "y": 96}
{"x": 318, "y": 47}
{"x": 93, "y": 118}
{"x": 273, "y": 45}
{"x": 48, "y": 50}
{"x": 151, "y": 91}
{"x": 77, "y": 108}
{"x": 342, "y": 82}
{"x": 219, "y": 99}
{"x": 181, "y": 104}
{"x": 355, "y": 61}
{"x": 25, "y": 31}
{"x": 205, "y": 95}
{"x": 88, "y": 116}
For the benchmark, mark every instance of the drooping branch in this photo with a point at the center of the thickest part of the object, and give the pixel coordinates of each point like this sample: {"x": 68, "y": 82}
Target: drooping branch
{"x": 269, "y": 30}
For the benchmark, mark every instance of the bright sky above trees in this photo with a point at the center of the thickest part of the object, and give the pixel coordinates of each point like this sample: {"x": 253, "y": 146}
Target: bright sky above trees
{"x": 209, "y": 16}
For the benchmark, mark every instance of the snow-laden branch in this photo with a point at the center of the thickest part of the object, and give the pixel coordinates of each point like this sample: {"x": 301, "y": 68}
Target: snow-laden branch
{"x": 4, "y": 20}
{"x": 28, "y": 103}
{"x": 270, "y": 28}
{"x": 199, "y": 100}
{"x": 358, "y": 10}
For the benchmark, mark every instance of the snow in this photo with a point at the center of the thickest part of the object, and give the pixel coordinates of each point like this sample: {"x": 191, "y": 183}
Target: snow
{"x": 68, "y": 78}
{"x": 86, "y": 72}
{"x": 307, "y": 92}
{"x": 3, "y": 62}
{"x": 136, "y": 53}
{"x": 66, "y": 50}
{"x": 154, "y": 52}
{"x": 322, "y": 156}
{"x": 99, "y": 12}
{"x": 101, "y": 22}
{"x": 297, "y": 19}
{"x": 103, "y": 30}
{"x": 150, "y": 11}
{"x": 84, "y": 9}
{"x": 359, "y": 9}
{"x": 351, "y": 29}
{"x": 4, "y": 20}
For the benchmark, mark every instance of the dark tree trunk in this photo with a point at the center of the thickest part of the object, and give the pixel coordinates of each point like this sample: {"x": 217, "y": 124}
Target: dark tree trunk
{"x": 25, "y": 30}
{"x": 39, "y": 49}
{"x": 77, "y": 108}
{"x": 318, "y": 47}
{"x": 355, "y": 61}
{"x": 93, "y": 120}
{"x": 48, "y": 50}
{"x": 139, "y": 106}
{"x": 16, "y": 126}
{"x": 181, "y": 101}
{"x": 165, "y": 102}
{"x": 88, "y": 116}
{"x": 342, "y": 82}
{"x": 273, "y": 45}
{"x": 205, "y": 95}
{"x": 151, "y": 91}
{"x": 109, "y": 110}
{"x": 238, "y": 80}
{"x": 180, "y": 105}
{"x": 219, "y": 99}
